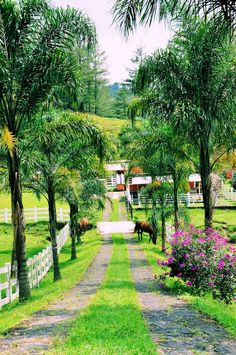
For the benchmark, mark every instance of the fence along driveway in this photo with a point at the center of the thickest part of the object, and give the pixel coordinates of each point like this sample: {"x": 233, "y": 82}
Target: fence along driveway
{"x": 38, "y": 266}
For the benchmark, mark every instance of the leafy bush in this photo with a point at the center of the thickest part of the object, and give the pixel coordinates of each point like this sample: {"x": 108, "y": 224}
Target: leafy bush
{"x": 205, "y": 261}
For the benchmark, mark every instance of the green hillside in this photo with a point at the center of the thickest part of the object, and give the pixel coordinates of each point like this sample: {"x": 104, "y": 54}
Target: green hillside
{"x": 111, "y": 126}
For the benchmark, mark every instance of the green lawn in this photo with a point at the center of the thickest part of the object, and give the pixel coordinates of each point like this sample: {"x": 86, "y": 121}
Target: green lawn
{"x": 112, "y": 324}
{"x": 35, "y": 240}
{"x": 224, "y": 219}
{"x": 115, "y": 211}
{"x": 72, "y": 272}
{"x": 29, "y": 201}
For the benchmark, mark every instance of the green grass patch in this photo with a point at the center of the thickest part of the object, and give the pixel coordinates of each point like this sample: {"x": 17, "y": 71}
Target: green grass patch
{"x": 224, "y": 219}
{"x": 111, "y": 126}
{"x": 72, "y": 271}
{"x": 36, "y": 234}
{"x": 113, "y": 323}
{"x": 29, "y": 201}
{"x": 115, "y": 211}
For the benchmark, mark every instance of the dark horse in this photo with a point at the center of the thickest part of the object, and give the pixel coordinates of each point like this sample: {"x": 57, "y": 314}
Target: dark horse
{"x": 141, "y": 227}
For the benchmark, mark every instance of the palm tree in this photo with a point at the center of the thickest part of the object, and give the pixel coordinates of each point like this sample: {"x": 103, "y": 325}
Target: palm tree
{"x": 162, "y": 209}
{"x": 60, "y": 139}
{"x": 83, "y": 191}
{"x": 128, "y": 13}
{"x": 157, "y": 149}
{"x": 191, "y": 85}
{"x": 35, "y": 43}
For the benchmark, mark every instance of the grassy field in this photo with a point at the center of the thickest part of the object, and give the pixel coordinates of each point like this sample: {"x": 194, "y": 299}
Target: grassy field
{"x": 111, "y": 126}
{"x": 113, "y": 323}
{"x": 72, "y": 272}
{"x": 35, "y": 240}
{"x": 224, "y": 219}
{"x": 29, "y": 201}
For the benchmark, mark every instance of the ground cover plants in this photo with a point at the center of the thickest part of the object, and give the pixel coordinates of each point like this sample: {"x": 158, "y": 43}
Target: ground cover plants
{"x": 113, "y": 323}
{"x": 224, "y": 314}
{"x": 205, "y": 261}
{"x": 72, "y": 272}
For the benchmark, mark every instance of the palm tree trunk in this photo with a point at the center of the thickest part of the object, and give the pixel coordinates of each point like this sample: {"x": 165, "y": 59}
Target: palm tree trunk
{"x": 176, "y": 202}
{"x": 73, "y": 228}
{"x": 19, "y": 241}
{"x": 53, "y": 227}
{"x": 205, "y": 171}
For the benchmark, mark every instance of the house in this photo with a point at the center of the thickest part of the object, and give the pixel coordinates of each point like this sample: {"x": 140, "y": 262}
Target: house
{"x": 194, "y": 181}
{"x": 116, "y": 171}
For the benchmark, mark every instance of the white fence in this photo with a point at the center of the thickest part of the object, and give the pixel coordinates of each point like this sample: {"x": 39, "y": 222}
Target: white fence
{"x": 190, "y": 199}
{"x": 34, "y": 214}
{"x": 111, "y": 181}
{"x": 38, "y": 266}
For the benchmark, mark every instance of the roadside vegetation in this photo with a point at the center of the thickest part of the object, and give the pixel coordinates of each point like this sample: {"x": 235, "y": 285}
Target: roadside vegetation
{"x": 113, "y": 323}
{"x": 72, "y": 271}
{"x": 224, "y": 314}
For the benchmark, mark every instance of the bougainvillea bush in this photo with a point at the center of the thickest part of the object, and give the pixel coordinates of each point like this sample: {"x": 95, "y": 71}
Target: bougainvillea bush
{"x": 204, "y": 261}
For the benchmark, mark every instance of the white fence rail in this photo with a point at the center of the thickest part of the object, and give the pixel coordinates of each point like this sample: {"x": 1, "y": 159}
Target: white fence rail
{"x": 111, "y": 181}
{"x": 190, "y": 199}
{"x": 38, "y": 266}
{"x": 34, "y": 214}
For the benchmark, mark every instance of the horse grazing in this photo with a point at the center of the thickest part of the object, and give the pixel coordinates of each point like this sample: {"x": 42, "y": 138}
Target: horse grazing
{"x": 83, "y": 224}
{"x": 141, "y": 227}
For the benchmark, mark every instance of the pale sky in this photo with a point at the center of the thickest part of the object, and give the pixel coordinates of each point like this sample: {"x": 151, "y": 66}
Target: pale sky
{"x": 118, "y": 50}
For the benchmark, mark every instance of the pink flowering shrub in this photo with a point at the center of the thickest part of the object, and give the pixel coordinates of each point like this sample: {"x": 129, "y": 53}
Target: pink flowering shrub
{"x": 205, "y": 261}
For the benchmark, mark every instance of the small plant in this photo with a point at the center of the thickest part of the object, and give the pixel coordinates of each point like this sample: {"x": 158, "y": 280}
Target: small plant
{"x": 204, "y": 261}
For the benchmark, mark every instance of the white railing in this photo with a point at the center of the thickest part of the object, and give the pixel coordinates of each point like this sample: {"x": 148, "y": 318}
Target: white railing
{"x": 34, "y": 214}
{"x": 144, "y": 200}
{"x": 111, "y": 181}
{"x": 38, "y": 266}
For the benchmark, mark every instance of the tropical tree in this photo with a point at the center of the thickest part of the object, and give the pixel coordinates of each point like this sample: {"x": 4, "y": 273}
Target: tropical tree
{"x": 35, "y": 42}
{"x": 160, "y": 194}
{"x": 128, "y": 13}
{"x": 191, "y": 86}
{"x": 59, "y": 139}
{"x": 83, "y": 191}
{"x": 157, "y": 149}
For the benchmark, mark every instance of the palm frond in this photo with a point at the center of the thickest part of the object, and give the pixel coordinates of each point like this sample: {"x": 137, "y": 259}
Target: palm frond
{"x": 8, "y": 139}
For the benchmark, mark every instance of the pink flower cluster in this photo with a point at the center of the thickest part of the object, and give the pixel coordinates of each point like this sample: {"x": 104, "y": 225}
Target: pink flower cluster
{"x": 205, "y": 261}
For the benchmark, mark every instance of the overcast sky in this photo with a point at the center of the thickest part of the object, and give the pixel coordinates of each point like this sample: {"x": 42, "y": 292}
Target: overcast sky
{"x": 118, "y": 50}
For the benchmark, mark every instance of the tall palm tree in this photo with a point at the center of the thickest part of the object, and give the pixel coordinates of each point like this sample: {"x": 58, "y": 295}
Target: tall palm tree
{"x": 191, "y": 85}
{"x": 128, "y": 13}
{"x": 35, "y": 42}
{"x": 60, "y": 139}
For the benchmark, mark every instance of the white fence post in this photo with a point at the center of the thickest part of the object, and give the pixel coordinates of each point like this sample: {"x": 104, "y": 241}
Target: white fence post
{"x": 60, "y": 215}
{"x": 38, "y": 266}
{"x": 188, "y": 199}
{"x": 35, "y": 214}
{"x": 6, "y": 215}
